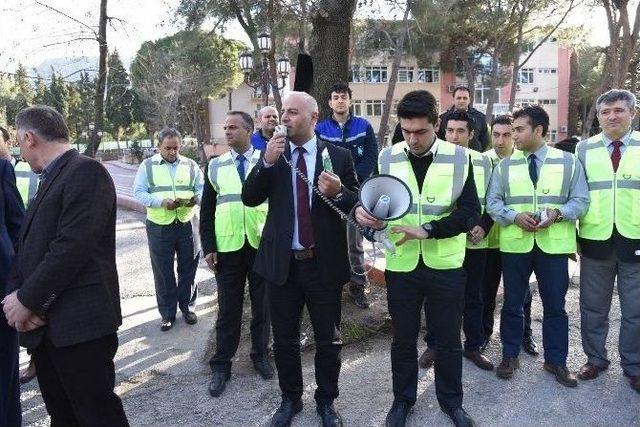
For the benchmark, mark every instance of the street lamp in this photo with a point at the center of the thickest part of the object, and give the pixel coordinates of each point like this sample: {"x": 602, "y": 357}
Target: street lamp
{"x": 283, "y": 68}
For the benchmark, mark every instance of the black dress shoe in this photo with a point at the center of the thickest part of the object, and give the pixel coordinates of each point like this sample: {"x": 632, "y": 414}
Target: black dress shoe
{"x": 359, "y": 298}
{"x": 530, "y": 346}
{"x": 263, "y": 367}
{"x": 285, "y": 413}
{"x": 218, "y": 382}
{"x": 459, "y": 417}
{"x": 397, "y": 415}
{"x": 166, "y": 324}
{"x": 329, "y": 416}
{"x": 190, "y": 317}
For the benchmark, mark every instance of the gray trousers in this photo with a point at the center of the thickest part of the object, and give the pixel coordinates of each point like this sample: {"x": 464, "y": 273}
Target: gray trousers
{"x": 356, "y": 257}
{"x": 597, "y": 279}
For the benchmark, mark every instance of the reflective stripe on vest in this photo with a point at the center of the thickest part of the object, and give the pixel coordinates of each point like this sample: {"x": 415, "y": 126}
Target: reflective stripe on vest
{"x": 163, "y": 186}
{"x": 615, "y": 197}
{"x": 552, "y": 191}
{"x": 442, "y": 186}
{"x": 493, "y": 238}
{"x": 26, "y": 181}
{"x": 233, "y": 220}
{"x": 482, "y": 167}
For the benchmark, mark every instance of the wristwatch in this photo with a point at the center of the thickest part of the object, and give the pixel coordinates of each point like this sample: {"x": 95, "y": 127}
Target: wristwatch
{"x": 338, "y": 197}
{"x": 428, "y": 228}
{"x": 559, "y": 216}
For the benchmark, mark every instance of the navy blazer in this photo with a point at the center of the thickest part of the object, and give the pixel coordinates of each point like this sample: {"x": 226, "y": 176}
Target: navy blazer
{"x": 11, "y": 216}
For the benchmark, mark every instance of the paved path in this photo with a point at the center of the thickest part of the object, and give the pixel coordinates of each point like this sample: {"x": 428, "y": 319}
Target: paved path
{"x": 163, "y": 377}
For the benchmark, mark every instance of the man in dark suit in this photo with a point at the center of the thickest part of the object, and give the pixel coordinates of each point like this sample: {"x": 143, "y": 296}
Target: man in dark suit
{"x": 11, "y": 216}
{"x": 65, "y": 275}
{"x": 303, "y": 251}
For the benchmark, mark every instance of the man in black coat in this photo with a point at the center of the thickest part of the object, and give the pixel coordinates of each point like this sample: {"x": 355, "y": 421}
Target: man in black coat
{"x": 303, "y": 251}
{"x": 462, "y": 102}
{"x": 11, "y": 217}
{"x": 63, "y": 293}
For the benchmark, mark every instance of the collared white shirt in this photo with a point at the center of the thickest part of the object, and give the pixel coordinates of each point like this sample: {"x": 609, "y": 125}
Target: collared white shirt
{"x": 247, "y": 158}
{"x": 311, "y": 147}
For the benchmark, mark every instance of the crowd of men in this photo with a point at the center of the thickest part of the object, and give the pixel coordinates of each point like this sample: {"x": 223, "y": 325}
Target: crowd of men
{"x": 489, "y": 201}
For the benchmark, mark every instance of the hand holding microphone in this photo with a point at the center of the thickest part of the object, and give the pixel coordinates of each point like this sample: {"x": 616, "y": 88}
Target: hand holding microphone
{"x": 275, "y": 146}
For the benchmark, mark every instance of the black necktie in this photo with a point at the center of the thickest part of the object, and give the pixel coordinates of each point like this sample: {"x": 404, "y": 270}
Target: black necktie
{"x": 240, "y": 166}
{"x": 533, "y": 169}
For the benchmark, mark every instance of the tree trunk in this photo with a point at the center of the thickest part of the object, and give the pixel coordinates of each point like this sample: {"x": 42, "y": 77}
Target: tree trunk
{"x": 493, "y": 83}
{"x": 574, "y": 102}
{"x": 329, "y": 47}
{"x": 470, "y": 74}
{"x": 515, "y": 71}
{"x": 271, "y": 58}
{"x": 393, "y": 79}
{"x": 95, "y": 137}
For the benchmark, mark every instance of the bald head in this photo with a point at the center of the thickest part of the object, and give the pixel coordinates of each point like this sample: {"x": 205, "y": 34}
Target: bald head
{"x": 268, "y": 119}
{"x": 299, "y": 115}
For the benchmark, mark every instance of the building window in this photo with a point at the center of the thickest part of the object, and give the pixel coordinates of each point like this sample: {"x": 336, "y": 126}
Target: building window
{"x": 355, "y": 74}
{"x": 553, "y": 135}
{"x": 376, "y": 74}
{"x": 357, "y": 107}
{"x": 374, "y": 108}
{"x": 405, "y": 74}
{"x": 547, "y": 101}
{"x": 429, "y": 75}
{"x": 547, "y": 70}
{"x": 257, "y": 111}
{"x": 520, "y": 102}
{"x": 525, "y": 76}
{"x": 482, "y": 95}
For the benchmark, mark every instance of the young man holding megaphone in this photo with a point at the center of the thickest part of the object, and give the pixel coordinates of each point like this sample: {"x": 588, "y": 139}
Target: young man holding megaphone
{"x": 430, "y": 247}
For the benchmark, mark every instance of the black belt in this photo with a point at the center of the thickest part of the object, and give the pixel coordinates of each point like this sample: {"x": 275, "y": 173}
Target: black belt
{"x": 303, "y": 254}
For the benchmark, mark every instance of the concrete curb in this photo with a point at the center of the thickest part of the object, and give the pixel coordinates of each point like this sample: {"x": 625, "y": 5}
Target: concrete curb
{"x": 130, "y": 203}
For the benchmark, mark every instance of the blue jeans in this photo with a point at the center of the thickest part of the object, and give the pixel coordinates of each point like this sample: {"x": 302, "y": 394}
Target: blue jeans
{"x": 165, "y": 242}
{"x": 10, "y": 413}
{"x": 552, "y": 273}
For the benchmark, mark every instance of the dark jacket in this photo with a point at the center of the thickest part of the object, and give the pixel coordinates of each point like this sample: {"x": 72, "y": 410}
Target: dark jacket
{"x": 480, "y": 141}
{"x": 357, "y": 136}
{"x": 329, "y": 232}
{"x": 11, "y": 217}
{"x": 65, "y": 268}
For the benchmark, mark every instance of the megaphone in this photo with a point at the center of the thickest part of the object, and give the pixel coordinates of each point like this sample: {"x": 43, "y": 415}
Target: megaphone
{"x": 386, "y": 198}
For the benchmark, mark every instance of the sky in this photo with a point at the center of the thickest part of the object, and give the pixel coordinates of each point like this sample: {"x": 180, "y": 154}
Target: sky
{"x": 33, "y": 33}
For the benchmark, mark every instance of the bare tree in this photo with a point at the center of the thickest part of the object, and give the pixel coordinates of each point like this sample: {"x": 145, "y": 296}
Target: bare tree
{"x": 398, "y": 47}
{"x": 623, "y": 46}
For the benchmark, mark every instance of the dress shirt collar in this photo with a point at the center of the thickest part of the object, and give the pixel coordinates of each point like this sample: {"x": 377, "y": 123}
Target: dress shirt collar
{"x": 247, "y": 154}
{"x": 162, "y": 161}
{"x": 624, "y": 139}
{"x": 51, "y": 166}
{"x": 311, "y": 146}
{"x": 540, "y": 153}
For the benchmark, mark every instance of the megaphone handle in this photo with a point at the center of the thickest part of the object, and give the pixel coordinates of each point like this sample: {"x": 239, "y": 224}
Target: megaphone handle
{"x": 327, "y": 200}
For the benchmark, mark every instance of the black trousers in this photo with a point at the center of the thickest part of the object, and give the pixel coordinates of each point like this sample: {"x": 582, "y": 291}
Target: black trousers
{"x": 472, "y": 324}
{"x": 323, "y": 301}
{"x": 232, "y": 272}
{"x": 77, "y": 383}
{"x": 492, "y": 274}
{"x": 444, "y": 292}
{"x": 10, "y": 413}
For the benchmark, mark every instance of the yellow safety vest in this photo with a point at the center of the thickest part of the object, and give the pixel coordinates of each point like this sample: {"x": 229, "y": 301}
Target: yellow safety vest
{"x": 552, "y": 191}
{"x": 482, "y": 168}
{"x": 442, "y": 186}
{"x": 615, "y": 196}
{"x": 233, "y": 220}
{"x": 163, "y": 186}
{"x": 27, "y": 182}
{"x": 493, "y": 238}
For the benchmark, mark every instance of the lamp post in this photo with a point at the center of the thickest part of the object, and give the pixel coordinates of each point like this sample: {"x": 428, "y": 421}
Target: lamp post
{"x": 283, "y": 68}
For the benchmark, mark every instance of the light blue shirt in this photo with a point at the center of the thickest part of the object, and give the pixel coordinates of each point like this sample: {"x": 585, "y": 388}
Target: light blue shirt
{"x": 625, "y": 141}
{"x": 247, "y": 158}
{"x": 576, "y": 205}
{"x": 310, "y": 160}
{"x": 141, "y": 182}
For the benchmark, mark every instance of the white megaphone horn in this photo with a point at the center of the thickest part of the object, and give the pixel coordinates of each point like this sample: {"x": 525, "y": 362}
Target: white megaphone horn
{"x": 386, "y": 198}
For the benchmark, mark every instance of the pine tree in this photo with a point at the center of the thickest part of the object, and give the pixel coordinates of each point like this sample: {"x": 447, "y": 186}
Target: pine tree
{"x": 118, "y": 106}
